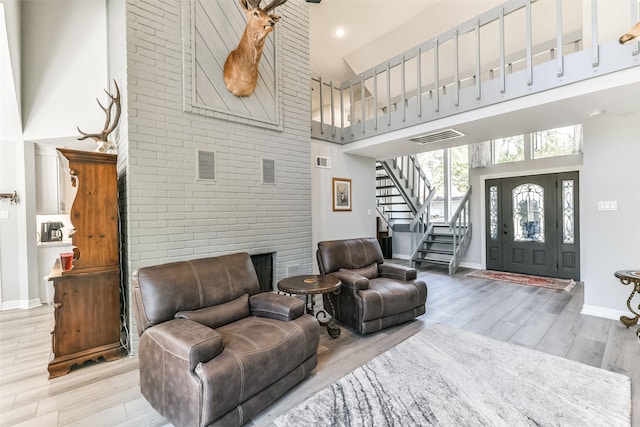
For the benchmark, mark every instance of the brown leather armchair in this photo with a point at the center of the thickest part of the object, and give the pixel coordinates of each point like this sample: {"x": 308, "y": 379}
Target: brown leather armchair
{"x": 373, "y": 295}
{"x": 213, "y": 350}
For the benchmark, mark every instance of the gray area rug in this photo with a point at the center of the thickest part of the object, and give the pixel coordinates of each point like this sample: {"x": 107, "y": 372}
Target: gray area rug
{"x": 447, "y": 377}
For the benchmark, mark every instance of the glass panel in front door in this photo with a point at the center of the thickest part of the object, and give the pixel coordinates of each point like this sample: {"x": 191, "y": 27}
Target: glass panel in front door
{"x": 528, "y": 213}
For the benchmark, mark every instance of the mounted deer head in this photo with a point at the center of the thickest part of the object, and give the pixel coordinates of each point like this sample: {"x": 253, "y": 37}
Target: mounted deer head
{"x": 632, "y": 34}
{"x": 105, "y": 146}
{"x": 241, "y": 66}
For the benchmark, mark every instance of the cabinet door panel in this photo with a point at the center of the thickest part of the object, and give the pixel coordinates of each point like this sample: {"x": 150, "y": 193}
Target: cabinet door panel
{"x": 87, "y": 312}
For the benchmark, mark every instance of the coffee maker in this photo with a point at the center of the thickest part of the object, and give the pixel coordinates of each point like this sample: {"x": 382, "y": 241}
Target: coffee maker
{"x": 51, "y": 231}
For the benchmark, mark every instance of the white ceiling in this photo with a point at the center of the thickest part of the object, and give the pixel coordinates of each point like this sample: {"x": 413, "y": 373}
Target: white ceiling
{"x": 363, "y": 21}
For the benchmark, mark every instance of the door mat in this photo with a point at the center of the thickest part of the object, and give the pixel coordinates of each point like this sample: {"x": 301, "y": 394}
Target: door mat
{"x": 524, "y": 279}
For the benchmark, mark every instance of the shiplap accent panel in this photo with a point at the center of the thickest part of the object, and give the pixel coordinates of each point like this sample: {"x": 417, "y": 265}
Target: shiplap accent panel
{"x": 211, "y": 30}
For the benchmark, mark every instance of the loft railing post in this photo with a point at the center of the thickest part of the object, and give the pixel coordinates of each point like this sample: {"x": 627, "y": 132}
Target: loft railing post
{"x": 478, "y": 94}
{"x": 375, "y": 98}
{"x": 529, "y": 43}
{"x": 388, "y": 94}
{"x": 403, "y": 95}
{"x": 635, "y": 47}
{"x": 559, "y": 39}
{"x": 595, "y": 49}
{"x": 352, "y": 110}
{"x": 436, "y": 76}
{"x": 419, "y": 78}
{"x": 341, "y": 109}
{"x": 456, "y": 71}
{"x": 362, "y": 106}
{"x": 502, "y": 74}
{"x": 321, "y": 109}
{"x": 333, "y": 112}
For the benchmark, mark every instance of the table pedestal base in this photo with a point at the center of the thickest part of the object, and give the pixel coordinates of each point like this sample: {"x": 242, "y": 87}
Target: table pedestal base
{"x": 630, "y": 277}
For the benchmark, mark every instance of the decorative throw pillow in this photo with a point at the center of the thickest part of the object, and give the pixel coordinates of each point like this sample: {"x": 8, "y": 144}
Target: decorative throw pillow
{"x": 370, "y": 272}
{"x": 220, "y": 314}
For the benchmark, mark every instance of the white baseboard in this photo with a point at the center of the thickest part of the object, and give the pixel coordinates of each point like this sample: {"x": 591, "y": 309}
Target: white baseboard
{"x": 473, "y": 265}
{"x": 21, "y": 304}
{"x": 604, "y": 312}
{"x": 402, "y": 256}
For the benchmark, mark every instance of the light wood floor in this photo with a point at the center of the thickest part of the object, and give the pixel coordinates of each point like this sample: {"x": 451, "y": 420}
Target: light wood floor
{"x": 107, "y": 393}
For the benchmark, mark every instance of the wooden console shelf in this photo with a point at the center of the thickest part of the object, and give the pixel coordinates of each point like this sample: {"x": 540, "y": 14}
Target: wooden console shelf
{"x": 87, "y": 298}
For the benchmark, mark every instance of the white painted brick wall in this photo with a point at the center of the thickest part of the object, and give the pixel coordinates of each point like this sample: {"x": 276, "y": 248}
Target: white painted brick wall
{"x": 170, "y": 216}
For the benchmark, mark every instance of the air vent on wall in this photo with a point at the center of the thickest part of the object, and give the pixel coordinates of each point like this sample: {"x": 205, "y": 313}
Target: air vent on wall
{"x": 268, "y": 171}
{"x": 437, "y": 136}
{"x": 206, "y": 165}
{"x": 323, "y": 162}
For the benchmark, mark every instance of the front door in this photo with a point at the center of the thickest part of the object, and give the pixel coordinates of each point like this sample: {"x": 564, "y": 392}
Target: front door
{"x": 532, "y": 225}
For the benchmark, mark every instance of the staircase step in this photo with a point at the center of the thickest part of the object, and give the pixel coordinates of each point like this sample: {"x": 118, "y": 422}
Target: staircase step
{"x": 435, "y": 251}
{"x": 431, "y": 261}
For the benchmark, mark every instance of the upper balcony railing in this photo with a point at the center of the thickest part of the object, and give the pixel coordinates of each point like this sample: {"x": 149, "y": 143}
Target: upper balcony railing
{"x": 474, "y": 65}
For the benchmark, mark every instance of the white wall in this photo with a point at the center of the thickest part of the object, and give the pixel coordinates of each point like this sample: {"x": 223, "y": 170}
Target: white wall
{"x": 64, "y": 67}
{"x": 330, "y": 225}
{"x": 610, "y": 238}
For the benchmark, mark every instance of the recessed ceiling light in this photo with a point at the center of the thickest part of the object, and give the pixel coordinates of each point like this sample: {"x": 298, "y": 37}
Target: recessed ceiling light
{"x": 594, "y": 113}
{"x": 339, "y": 32}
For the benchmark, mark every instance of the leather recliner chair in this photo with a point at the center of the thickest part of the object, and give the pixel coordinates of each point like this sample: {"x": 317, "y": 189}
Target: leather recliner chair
{"x": 213, "y": 350}
{"x": 373, "y": 295}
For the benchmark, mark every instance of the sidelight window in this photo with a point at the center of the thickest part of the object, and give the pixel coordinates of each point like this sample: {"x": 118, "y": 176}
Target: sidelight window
{"x": 568, "y": 212}
{"x": 493, "y": 212}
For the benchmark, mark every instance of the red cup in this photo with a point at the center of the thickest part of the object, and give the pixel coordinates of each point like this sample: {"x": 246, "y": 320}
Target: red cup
{"x": 67, "y": 261}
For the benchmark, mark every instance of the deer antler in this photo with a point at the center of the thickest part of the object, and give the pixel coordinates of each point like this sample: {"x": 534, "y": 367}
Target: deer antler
{"x": 273, "y": 5}
{"x": 108, "y": 125}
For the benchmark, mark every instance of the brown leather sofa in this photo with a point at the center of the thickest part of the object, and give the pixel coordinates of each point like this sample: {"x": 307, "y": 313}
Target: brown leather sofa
{"x": 213, "y": 350}
{"x": 374, "y": 295}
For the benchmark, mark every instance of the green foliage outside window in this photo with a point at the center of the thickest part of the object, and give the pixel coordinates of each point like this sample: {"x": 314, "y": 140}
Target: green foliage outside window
{"x": 510, "y": 149}
{"x": 557, "y": 142}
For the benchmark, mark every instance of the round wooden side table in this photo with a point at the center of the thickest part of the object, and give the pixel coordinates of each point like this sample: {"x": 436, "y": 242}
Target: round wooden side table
{"x": 311, "y": 285}
{"x": 630, "y": 277}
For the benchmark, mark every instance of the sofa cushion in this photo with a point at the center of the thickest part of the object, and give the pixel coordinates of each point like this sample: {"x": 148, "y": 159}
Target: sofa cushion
{"x": 387, "y": 297}
{"x": 218, "y": 315}
{"x": 370, "y": 272}
{"x": 258, "y": 351}
{"x": 333, "y": 255}
{"x": 275, "y": 306}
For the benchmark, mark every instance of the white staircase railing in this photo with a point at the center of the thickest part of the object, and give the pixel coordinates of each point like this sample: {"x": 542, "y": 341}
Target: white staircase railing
{"x": 430, "y": 81}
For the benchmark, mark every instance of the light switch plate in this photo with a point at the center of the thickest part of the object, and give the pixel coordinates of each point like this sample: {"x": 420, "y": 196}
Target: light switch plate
{"x": 608, "y": 205}
{"x": 4, "y": 214}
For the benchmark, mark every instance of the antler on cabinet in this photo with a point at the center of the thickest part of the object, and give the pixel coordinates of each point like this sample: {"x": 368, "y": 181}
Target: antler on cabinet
{"x": 109, "y": 126}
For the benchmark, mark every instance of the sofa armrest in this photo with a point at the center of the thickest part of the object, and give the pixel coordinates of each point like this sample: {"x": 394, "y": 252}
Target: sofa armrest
{"x": 275, "y": 306}
{"x": 395, "y": 271}
{"x": 351, "y": 280}
{"x": 186, "y": 340}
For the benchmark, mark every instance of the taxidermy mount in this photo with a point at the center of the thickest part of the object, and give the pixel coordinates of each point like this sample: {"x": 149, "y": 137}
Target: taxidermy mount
{"x": 241, "y": 66}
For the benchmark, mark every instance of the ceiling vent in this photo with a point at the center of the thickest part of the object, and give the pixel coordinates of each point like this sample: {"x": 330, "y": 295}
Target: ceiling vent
{"x": 442, "y": 135}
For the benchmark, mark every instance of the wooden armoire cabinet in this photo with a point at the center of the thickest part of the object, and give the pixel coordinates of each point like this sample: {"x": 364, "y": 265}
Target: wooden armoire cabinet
{"x": 87, "y": 298}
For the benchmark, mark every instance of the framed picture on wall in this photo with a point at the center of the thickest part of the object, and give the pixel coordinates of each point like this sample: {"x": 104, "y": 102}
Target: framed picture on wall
{"x": 341, "y": 194}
